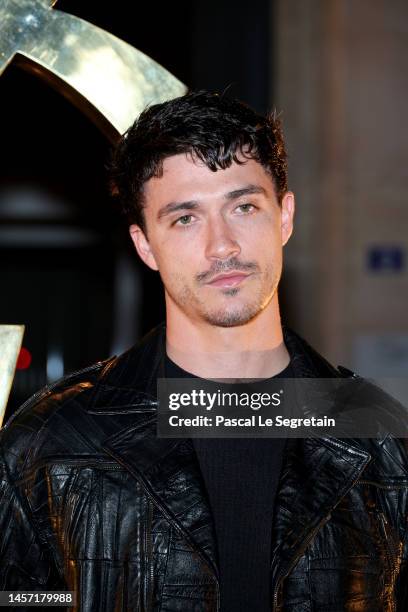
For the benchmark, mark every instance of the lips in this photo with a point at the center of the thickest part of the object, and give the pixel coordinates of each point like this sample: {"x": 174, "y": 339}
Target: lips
{"x": 228, "y": 280}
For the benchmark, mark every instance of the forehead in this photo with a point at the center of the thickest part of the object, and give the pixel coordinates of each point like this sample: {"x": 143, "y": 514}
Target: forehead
{"x": 185, "y": 178}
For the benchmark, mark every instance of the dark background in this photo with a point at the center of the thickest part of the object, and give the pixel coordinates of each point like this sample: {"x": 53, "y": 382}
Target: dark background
{"x": 65, "y": 256}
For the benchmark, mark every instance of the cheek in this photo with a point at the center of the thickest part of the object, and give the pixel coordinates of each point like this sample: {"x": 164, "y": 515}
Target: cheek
{"x": 176, "y": 264}
{"x": 264, "y": 241}
{"x": 181, "y": 250}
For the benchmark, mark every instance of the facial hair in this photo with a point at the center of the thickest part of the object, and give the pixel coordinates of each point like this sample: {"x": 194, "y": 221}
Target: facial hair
{"x": 235, "y": 314}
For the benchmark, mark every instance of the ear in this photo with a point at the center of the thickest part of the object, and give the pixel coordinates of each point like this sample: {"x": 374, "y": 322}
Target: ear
{"x": 142, "y": 246}
{"x": 287, "y": 214}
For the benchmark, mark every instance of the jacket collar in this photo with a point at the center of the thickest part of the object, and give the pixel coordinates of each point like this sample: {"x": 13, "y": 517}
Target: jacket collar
{"x": 316, "y": 473}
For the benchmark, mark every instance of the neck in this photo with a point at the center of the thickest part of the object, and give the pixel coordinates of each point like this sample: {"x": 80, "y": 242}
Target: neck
{"x": 253, "y": 350}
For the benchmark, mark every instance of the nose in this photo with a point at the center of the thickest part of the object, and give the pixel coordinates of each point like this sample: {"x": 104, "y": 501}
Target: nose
{"x": 221, "y": 243}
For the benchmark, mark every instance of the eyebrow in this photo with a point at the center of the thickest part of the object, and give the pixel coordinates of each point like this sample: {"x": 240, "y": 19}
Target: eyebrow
{"x": 174, "y": 206}
{"x": 247, "y": 190}
{"x": 194, "y": 204}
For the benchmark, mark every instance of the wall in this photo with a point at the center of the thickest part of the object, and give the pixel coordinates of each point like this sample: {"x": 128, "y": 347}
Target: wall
{"x": 341, "y": 81}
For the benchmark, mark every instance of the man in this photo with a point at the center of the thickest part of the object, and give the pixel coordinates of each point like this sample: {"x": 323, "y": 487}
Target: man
{"x": 94, "y": 502}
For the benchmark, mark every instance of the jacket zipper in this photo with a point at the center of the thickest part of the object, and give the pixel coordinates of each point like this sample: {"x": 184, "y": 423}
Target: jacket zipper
{"x": 389, "y": 540}
{"x": 384, "y": 521}
{"x": 72, "y": 463}
{"x": 97, "y": 466}
{"x": 149, "y": 575}
{"x": 296, "y": 559}
{"x": 383, "y": 486}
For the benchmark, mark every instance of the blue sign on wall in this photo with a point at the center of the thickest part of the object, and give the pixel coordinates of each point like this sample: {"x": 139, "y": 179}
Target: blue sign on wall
{"x": 386, "y": 258}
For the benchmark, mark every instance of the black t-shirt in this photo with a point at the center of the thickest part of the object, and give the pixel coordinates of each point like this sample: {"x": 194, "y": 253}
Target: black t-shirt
{"x": 241, "y": 477}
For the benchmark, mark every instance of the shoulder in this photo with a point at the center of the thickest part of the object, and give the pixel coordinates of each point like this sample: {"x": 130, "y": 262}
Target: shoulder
{"x": 59, "y": 421}
{"x": 385, "y": 415}
{"x": 43, "y": 414}
{"x": 372, "y": 412}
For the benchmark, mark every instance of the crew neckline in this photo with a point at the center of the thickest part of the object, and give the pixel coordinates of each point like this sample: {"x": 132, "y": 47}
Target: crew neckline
{"x": 175, "y": 371}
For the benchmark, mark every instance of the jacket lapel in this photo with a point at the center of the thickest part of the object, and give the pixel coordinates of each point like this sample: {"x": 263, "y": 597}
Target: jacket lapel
{"x": 317, "y": 473}
{"x": 167, "y": 468}
{"x": 169, "y": 471}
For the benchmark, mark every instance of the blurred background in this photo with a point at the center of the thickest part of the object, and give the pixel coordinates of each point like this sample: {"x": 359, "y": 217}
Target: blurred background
{"x": 335, "y": 69}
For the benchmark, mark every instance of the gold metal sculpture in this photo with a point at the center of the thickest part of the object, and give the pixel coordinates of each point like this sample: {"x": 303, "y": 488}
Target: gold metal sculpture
{"x": 107, "y": 79}
{"x": 11, "y": 337}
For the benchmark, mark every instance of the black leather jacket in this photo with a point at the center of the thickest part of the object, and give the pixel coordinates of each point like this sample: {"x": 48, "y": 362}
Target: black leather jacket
{"x": 91, "y": 500}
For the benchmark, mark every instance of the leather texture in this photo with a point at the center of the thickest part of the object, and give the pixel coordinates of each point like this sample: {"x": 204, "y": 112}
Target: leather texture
{"x": 92, "y": 501}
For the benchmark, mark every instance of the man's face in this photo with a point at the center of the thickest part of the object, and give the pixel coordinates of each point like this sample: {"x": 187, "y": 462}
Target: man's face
{"x": 216, "y": 238}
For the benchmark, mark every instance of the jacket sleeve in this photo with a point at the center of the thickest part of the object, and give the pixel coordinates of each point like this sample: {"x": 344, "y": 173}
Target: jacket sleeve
{"x": 23, "y": 560}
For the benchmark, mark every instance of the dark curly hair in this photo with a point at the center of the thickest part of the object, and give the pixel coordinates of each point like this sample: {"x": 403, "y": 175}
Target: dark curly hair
{"x": 211, "y": 127}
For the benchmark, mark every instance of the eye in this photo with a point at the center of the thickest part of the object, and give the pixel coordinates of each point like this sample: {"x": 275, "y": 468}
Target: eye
{"x": 184, "y": 220}
{"x": 246, "y": 208}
